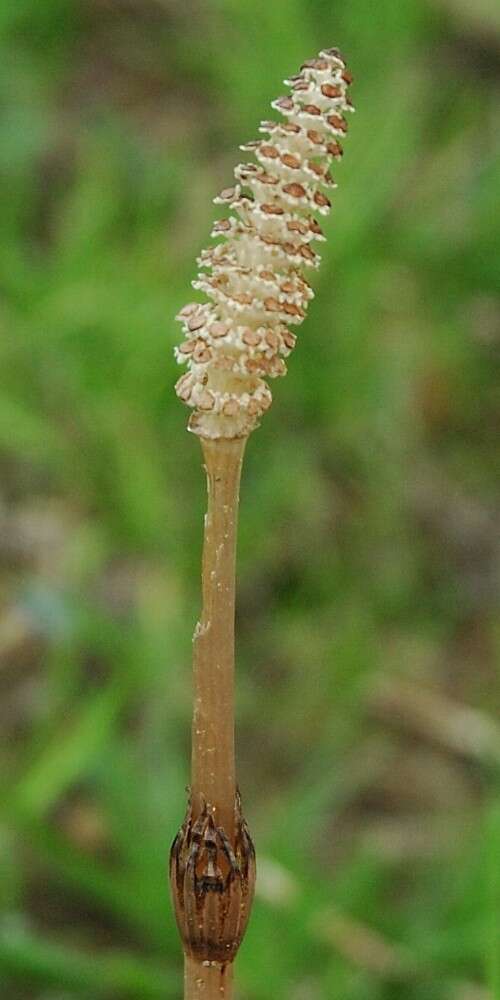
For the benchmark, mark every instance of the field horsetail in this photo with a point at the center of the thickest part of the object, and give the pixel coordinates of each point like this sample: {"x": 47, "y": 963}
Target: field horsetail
{"x": 254, "y": 279}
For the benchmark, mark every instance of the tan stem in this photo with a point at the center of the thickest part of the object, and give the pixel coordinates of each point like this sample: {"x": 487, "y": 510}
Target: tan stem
{"x": 213, "y": 778}
{"x": 213, "y": 765}
{"x": 207, "y": 982}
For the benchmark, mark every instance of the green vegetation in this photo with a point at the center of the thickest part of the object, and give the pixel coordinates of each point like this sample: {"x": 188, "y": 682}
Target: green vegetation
{"x": 368, "y": 630}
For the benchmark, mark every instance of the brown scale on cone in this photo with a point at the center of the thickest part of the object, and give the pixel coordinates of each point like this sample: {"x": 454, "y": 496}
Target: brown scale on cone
{"x": 256, "y": 281}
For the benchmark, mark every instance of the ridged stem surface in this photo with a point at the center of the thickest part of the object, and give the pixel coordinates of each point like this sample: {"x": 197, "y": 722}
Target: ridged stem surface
{"x": 207, "y": 982}
{"x": 213, "y": 765}
{"x": 213, "y": 778}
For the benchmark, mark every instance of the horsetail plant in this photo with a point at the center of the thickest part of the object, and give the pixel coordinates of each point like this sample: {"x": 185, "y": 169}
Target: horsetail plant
{"x": 256, "y": 288}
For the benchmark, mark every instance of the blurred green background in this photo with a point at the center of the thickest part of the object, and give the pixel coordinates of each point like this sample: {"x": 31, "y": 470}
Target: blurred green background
{"x": 369, "y": 555}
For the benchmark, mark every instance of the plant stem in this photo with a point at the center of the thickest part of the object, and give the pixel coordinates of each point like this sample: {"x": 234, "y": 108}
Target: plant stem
{"x": 207, "y": 982}
{"x": 213, "y": 778}
{"x": 212, "y": 762}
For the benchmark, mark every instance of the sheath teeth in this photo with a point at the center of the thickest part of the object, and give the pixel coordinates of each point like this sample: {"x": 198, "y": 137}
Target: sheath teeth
{"x": 254, "y": 278}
